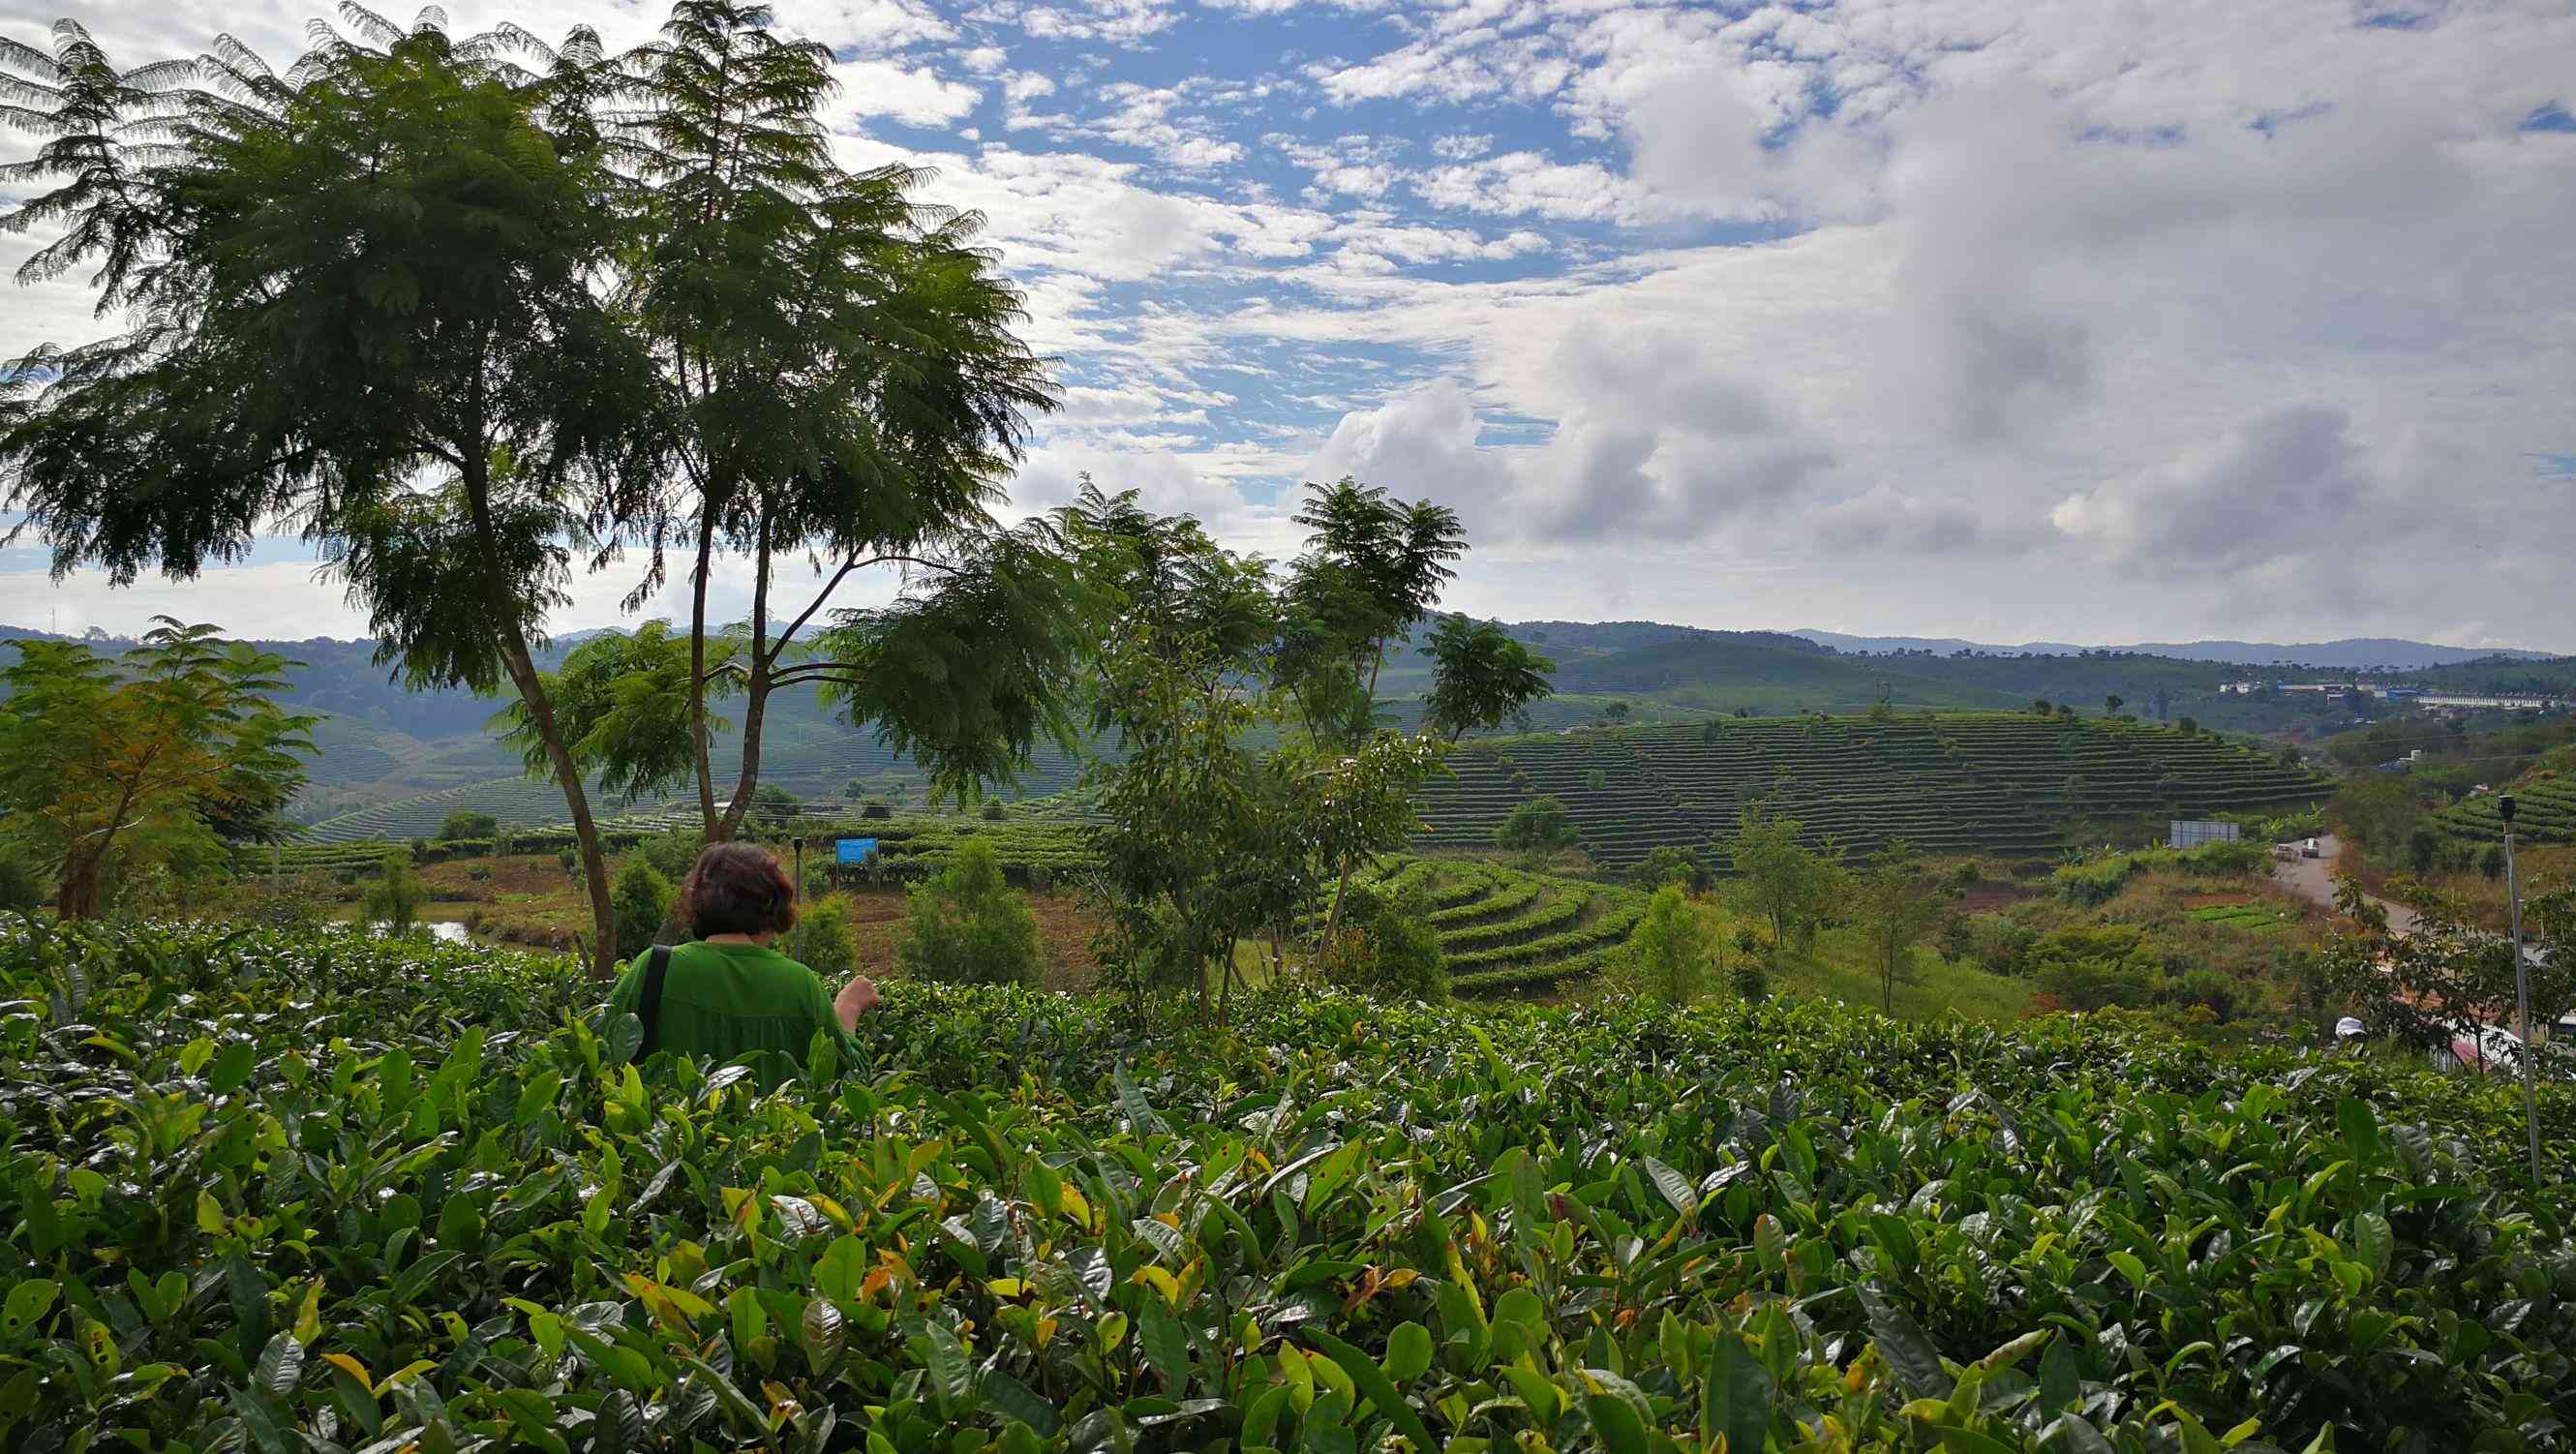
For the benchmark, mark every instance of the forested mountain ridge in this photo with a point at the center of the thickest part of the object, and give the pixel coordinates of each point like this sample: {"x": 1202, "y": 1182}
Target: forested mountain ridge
{"x": 384, "y": 745}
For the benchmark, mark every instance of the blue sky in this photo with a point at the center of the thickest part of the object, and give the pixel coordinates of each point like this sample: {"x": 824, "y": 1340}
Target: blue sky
{"x": 2003, "y": 319}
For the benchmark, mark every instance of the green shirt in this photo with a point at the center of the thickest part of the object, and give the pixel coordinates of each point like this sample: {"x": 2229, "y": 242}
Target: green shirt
{"x": 720, "y": 1001}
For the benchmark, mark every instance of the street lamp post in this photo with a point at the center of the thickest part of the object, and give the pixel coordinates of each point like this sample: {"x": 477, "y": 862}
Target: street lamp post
{"x": 2522, "y": 991}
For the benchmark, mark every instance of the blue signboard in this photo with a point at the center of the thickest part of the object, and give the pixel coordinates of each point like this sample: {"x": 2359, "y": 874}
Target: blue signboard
{"x": 854, "y": 850}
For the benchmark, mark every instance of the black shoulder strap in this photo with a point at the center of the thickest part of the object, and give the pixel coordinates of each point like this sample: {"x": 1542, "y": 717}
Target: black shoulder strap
{"x": 649, "y": 1007}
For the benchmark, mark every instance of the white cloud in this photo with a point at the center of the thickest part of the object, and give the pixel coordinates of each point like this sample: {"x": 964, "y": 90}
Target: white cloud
{"x": 1931, "y": 314}
{"x": 905, "y": 93}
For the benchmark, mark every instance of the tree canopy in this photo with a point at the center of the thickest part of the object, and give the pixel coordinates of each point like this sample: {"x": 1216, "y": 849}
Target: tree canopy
{"x": 112, "y": 767}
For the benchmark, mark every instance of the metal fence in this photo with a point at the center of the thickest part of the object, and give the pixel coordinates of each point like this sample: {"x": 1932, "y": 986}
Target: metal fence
{"x": 2193, "y": 832}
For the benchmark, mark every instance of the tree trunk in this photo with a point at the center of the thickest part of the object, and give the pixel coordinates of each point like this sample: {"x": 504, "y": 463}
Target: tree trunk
{"x": 709, "y": 830}
{"x": 76, "y": 895}
{"x": 522, "y": 667}
{"x": 602, "y": 960}
{"x": 755, "y": 697}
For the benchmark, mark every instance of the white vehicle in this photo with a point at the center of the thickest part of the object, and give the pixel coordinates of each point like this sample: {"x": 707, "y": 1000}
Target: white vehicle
{"x": 2308, "y": 849}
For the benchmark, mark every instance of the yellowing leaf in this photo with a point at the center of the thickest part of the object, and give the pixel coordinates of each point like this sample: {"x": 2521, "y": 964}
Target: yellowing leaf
{"x": 351, "y": 1367}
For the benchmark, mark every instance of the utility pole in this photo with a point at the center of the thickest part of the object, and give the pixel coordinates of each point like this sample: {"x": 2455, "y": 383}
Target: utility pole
{"x": 2522, "y": 992}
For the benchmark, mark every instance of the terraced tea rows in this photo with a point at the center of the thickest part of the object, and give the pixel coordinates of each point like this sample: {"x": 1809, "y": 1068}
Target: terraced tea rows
{"x": 2544, "y": 812}
{"x": 1994, "y": 782}
{"x": 1504, "y": 931}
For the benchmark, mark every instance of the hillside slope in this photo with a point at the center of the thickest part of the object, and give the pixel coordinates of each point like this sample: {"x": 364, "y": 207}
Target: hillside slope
{"x": 1987, "y": 782}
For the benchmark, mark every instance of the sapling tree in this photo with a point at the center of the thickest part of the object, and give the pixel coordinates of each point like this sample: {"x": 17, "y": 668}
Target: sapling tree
{"x": 148, "y": 759}
{"x": 1481, "y": 677}
{"x": 1780, "y": 878}
{"x": 1896, "y": 903}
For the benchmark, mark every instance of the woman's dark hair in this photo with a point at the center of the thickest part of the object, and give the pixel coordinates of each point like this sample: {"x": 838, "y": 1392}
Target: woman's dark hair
{"x": 737, "y": 888}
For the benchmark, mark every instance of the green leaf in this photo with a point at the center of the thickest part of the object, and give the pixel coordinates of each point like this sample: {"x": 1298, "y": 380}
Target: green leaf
{"x": 1372, "y": 1383}
{"x": 824, "y": 1331}
{"x": 952, "y": 1377}
{"x": 1166, "y": 1346}
{"x": 2131, "y": 1267}
{"x": 281, "y": 1365}
{"x": 2374, "y": 1242}
{"x": 1408, "y": 1352}
{"x": 1735, "y": 1400}
{"x": 2061, "y": 1382}
{"x": 841, "y": 1268}
{"x": 1014, "y": 1399}
{"x": 538, "y": 1095}
{"x": 1904, "y": 1347}
{"x": 2360, "y": 1128}
{"x": 1141, "y": 1119}
{"x": 1619, "y": 1413}
{"x": 1675, "y": 1187}
{"x": 2072, "y": 1432}
{"x": 232, "y": 1067}
{"x": 27, "y": 1305}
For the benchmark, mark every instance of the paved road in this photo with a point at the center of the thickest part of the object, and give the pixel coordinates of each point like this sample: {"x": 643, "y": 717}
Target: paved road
{"x": 2314, "y": 877}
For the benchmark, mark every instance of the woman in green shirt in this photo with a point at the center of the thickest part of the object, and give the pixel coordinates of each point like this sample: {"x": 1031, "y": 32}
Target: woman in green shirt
{"x": 730, "y": 994}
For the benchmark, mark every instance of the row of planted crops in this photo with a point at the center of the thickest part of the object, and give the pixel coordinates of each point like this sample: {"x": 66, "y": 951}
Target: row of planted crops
{"x": 331, "y": 1193}
{"x": 1033, "y": 849}
{"x": 2001, "y": 783}
{"x": 1505, "y": 931}
{"x": 2544, "y": 811}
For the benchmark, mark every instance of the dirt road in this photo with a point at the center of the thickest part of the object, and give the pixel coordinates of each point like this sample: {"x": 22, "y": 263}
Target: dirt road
{"x": 2314, "y": 878}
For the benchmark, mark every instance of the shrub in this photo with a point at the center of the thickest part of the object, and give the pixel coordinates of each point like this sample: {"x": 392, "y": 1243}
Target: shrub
{"x": 283, "y": 903}
{"x": 671, "y": 852}
{"x": 773, "y": 807}
{"x": 1998, "y": 942}
{"x": 1670, "y": 865}
{"x": 641, "y": 898}
{"x": 2091, "y": 984}
{"x": 20, "y": 891}
{"x": 1386, "y": 948}
{"x": 875, "y": 808}
{"x": 1540, "y": 823}
{"x": 1671, "y": 957}
{"x": 967, "y": 926}
{"x": 467, "y": 823}
{"x": 2090, "y": 884}
{"x": 993, "y": 810}
{"x": 394, "y": 899}
{"x": 1751, "y": 982}
{"x": 821, "y": 941}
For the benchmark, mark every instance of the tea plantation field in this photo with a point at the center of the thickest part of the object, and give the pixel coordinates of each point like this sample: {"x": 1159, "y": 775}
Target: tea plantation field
{"x": 318, "y": 1193}
{"x": 2544, "y": 812}
{"x": 1976, "y": 782}
{"x": 1033, "y": 843}
{"x": 1502, "y": 931}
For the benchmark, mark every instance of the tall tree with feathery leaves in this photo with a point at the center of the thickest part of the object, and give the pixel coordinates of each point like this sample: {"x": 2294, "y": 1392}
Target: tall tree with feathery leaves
{"x": 362, "y": 300}
{"x": 849, "y": 388}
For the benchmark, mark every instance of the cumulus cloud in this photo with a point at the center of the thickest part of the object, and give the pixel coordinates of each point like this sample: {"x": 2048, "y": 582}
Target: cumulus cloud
{"x": 1770, "y": 315}
{"x": 2283, "y": 482}
{"x": 913, "y": 94}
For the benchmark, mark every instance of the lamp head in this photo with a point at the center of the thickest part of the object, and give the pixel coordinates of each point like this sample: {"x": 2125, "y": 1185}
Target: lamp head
{"x": 2504, "y": 808}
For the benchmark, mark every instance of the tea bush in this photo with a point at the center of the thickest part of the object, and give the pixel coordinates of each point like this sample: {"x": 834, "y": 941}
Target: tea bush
{"x": 324, "y": 1191}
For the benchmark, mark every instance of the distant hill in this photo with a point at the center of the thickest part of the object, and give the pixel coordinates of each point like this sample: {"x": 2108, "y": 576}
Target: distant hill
{"x": 2351, "y": 653}
{"x": 394, "y": 761}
